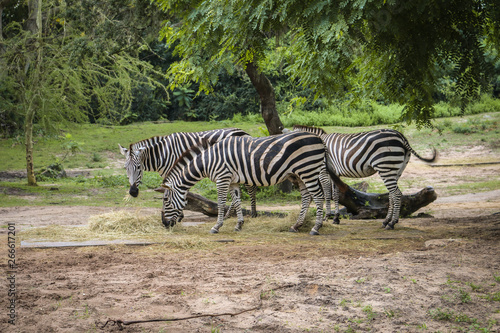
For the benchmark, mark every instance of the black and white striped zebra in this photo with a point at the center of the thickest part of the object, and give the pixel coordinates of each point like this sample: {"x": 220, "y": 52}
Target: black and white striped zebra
{"x": 360, "y": 155}
{"x": 160, "y": 152}
{"x": 252, "y": 161}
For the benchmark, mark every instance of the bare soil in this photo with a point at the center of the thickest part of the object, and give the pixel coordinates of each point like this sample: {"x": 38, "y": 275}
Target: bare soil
{"x": 442, "y": 275}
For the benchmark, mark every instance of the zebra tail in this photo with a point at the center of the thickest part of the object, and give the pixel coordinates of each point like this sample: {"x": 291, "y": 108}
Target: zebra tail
{"x": 428, "y": 160}
{"x": 343, "y": 187}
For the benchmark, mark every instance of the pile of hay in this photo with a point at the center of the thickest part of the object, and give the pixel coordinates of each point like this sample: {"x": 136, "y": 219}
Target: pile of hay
{"x": 124, "y": 222}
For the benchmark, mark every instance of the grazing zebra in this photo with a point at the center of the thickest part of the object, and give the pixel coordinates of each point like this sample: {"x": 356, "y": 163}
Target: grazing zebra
{"x": 160, "y": 152}
{"x": 252, "y": 161}
{"x": 360, "y": 155}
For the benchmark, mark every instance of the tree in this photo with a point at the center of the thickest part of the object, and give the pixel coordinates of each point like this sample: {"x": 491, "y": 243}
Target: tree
{"x": 382, "y": 49}
{"x": 60, "y": 71}
{"x": 209, "y": 36}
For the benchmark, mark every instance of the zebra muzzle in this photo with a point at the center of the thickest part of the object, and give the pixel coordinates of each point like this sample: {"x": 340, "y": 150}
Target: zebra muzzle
{"x": 134, "y": 191}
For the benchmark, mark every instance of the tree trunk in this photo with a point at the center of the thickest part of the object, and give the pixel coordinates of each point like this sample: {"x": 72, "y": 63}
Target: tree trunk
{"x": 267, "y": 108}
{"x": 28, "y": 131}
{"x": 3, "y": 4}
{"x": 200, "y": 204}
{"x": 34, "y": 25}
{"x": 361, "y": 205}
{"x": 267, "y": 99}
{"x": 31, "y": 24}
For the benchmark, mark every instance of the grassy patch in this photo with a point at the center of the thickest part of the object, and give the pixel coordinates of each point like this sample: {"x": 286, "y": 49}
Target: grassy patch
{"x": 99, "y": 144}
{"x": 472, "y": 186}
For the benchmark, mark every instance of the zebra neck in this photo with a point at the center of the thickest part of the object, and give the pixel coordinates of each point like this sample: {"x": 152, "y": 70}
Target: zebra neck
{"x": 183, "y": 180}
{"x": 155, "y": 161}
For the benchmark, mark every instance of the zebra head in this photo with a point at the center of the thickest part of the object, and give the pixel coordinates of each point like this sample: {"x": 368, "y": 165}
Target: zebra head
{"x": 133, "y": 166}
{"x": 173, "y": 205}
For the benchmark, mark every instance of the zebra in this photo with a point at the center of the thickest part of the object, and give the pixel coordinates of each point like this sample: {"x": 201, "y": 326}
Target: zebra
{"x": 160, "y": 152}
{"x": 262, "y": 161}
{"x": 360, "y": 155}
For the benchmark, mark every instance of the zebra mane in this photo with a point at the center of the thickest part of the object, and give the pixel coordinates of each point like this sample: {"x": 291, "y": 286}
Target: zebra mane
{"x": 310, "y": 129}
{"x": 147, "y": 142}
{"x": 189, "y": 155}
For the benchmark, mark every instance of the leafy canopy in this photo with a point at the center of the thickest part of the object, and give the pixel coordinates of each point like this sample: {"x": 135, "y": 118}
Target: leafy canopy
{"x": 83, "y": 64}
{"x": 392, "y": 50}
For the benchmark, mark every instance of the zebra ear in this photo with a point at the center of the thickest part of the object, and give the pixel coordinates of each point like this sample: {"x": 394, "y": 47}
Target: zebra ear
{"x": 123, "y": 151}
{"x": 139, "y": 151}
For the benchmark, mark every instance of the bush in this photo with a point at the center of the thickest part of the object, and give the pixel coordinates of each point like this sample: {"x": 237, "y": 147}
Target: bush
{"x": 364, "y": 113}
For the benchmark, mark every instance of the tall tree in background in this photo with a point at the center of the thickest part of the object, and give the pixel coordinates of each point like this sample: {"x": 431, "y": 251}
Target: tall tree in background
{"x": 381, "y": 49}
{"x": 60, "y": 68}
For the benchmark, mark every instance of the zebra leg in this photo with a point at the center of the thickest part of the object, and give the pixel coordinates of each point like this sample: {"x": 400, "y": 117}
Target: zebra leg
{"x": 336, "y": 219}
{"x": 232, "y": 206}
{"x": 326, "y": 185}
{"x": 317, "y": 194}
{"x": 222, "y": 188}
{"x": 306, "y": 200}
{"x": 388, "y": 217}
{"x": 236, "y": 197}
{"x": 252, "y": 191}
{"x": 396, "y": 206}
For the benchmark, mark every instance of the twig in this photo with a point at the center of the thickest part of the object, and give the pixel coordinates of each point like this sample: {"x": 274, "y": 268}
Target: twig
{"x": 120, "y": 323}
{"x": 462, "y": 164}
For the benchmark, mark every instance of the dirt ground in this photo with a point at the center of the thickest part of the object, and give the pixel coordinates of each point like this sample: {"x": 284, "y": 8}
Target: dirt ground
{"x": 447, "y": 281}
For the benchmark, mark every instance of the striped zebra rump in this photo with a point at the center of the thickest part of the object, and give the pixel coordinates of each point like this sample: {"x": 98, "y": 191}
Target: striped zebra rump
{"x": 356, "y": 155}
{"x": 251, "y": 161}
{"x": 361, "y": 155}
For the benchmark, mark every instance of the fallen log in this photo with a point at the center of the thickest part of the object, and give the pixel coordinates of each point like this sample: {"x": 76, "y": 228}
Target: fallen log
{"x": 200, "y": 204}
{"x": 373, "y": 205}
{"x": 359, "y": 204}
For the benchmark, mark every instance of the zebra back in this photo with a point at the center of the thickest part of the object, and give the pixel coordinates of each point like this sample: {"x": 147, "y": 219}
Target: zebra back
{"x": 315, "y": 130}
{"x": 158, "y": 153}
{"x": 356, "y": 154}
{"x": 211, "y": 136}
{"x": 255, "y": 161}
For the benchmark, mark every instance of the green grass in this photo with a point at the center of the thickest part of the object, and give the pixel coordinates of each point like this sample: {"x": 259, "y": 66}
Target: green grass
{"x": 71, "y": 191}
{"x": 100, "y": 140}
{"x": 107, "y": 184}
{"x": 99, "y": 144}
{"x": 472, "y": 186}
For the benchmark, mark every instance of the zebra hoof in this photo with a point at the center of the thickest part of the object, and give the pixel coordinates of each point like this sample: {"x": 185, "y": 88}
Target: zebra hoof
{"x": 214, "y": 231}
{"x": 237, "y": 229}
{"x": 292, "y": 229}
{"x": 336, "y": 221}
{"x": 314, "y": 233}
{"x": 389, "y": 227}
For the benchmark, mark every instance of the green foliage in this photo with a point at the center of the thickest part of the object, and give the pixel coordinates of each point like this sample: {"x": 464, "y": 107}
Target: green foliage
{"x": 55, "y": 170}
{"x": 86, "y": 67}
{"x": 370, "y": 113}
{"x": 70, "y": 145}
{"x": 354, "y": 49}
{"x": 183, "y": 96}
